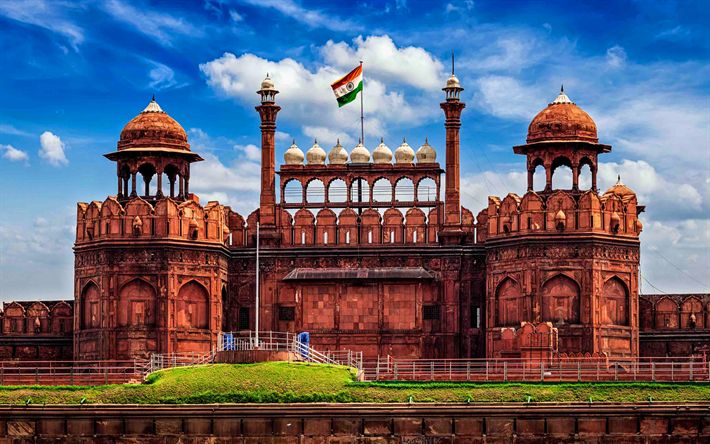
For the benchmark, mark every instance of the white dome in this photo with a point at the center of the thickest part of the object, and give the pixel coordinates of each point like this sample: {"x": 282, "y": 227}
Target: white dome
{"x": 360, "y": 154}
{"x": 426, "y": 153}
{"x": 315, "y": 154}
{"x": 404, "y": 153}
{"x": 267, "y": 83}
{"x": 293, "y": 155}
{"x": 338, "y": 155}
{"x": 382, "y": 153}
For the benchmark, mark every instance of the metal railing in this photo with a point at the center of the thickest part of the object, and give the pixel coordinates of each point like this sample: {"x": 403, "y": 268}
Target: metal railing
{"x": 160, "y": 361}
{"x": 289, "y": 342}
{"x": 572, "y": 370}
{"x": 70, "y": 372}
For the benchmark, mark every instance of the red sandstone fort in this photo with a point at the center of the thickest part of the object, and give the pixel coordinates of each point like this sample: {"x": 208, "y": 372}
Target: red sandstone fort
{"x": 361, "y": 251}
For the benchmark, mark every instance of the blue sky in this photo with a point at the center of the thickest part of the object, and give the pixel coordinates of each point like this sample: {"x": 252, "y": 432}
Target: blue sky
{"x": 75, "y": 72}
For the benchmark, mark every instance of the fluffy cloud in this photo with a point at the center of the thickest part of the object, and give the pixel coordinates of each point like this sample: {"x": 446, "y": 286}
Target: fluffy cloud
{"x": 506, "y": 97}
{"x": 306, "y": 93}
{"x": 52, "y": 149}
{"x": 615, "y": 56}
{"x": 161, "y": 77}
{"x": 13, "y": 154}
{"x": 409, "y": 65}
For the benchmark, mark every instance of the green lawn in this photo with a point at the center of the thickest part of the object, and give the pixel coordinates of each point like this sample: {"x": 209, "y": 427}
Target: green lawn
{"x": 284, "y": 382}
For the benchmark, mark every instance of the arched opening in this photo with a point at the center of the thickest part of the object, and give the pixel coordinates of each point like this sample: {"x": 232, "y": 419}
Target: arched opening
{"x": 404, "y": 190}
{"x": 315, "y": 191}
{"x": 560, "y": 300}
{"x": 169, "y": 185}
{"x": 148, "y": 187}
{"x": 426, "y": 190}
{"x": 691, "y": 314}
{"x": 90, "y": 300}
{"x": 136, "y": 304}
{"x": 125, "y": 176}
{"x": 538, "y": 176}
{"x": 382, "y": 190}
{"x": 192, "y": 306}
{"x": 359, "y": 190}
{"x": 561, "y": 174}
{"x": 293, "y": 192}
{"x": 585, "y": 174}
{"x": 615, "y": 302}
{"x": 512, "y": 307}
{"x": 337, "y": 191}
{"x": 666, "y": 314}
{"x": 225, "y": 309}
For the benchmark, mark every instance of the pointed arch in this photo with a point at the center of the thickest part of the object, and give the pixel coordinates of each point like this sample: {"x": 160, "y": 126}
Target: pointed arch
{"x": 136, "y": 304}
{"x": 90, "y": 300}
{"x": 193, "y": 306}
{"x": 560, "y": 300}
{"x": 615, "y": 302}
{"x": 512, "y": 307}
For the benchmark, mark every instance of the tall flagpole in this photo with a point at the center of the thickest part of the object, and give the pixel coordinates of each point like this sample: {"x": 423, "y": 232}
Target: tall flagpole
{"x": 362, "y": 114}
{"x": 256, "y": 338}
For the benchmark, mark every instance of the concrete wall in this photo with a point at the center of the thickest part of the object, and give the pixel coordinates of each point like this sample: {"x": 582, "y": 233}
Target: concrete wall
{"x": 346, "y": 423}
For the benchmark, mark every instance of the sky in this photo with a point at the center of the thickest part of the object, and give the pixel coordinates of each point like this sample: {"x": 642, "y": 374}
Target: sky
{"x": 74, "y": 73}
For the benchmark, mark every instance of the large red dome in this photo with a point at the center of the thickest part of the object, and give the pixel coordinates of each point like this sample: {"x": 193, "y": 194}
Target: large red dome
{"x": 562, "y": 120}
{"x": 153, "y": 128}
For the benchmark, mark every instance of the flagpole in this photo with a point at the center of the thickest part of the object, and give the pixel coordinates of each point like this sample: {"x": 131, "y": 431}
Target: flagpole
{"x": 362, "y": 114}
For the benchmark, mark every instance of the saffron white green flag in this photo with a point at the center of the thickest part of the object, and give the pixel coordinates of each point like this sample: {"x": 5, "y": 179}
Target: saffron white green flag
{"x": 347, "y": 88}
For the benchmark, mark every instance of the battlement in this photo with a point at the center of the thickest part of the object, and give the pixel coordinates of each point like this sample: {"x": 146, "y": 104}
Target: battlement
{"x": 563, "y": 212}
{"x": 138, "y": 219}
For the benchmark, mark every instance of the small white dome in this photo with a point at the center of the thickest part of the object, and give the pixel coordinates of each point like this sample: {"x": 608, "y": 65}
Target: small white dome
{"x": 453, "y": 82}
{"x": 316, "y": 154}
{"x": 404, "y": 153}
{"x": 338, "y": 155}
{"x": 360, "y": 154}
{"x": 293, "y": 155}
{"x": 382, "y": 153}
{"x": 267, "y": 83}
{"x": 426, "y": 153}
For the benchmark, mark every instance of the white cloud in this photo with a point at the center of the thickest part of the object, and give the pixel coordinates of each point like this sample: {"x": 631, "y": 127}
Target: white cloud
{"x": 306, "y": 93}
{"x": 52, "y": 149}
{"x": 50, "y": 15}
{"x": 251, "y": 151}
{"x": 408, "y": 65}
{"x": 162, "y": 27}
{"x": 310, "y": 17}
{"x": 615, "y": 56}
{"x": 235, "y": 16}
{"x": 161, "y": 77}
{"x": 9, "y": 129}
{"x": 506, "y": 97}
{"x": 13, "y": 154}
{"x": 327, "y": 136}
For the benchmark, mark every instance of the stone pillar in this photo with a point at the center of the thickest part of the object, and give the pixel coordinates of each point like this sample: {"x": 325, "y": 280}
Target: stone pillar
{"x": 267, "y": 112}
{"x": 452, "y": 233}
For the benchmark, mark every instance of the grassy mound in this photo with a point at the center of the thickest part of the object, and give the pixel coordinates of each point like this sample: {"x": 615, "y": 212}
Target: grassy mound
{"x": 298, "y": 382}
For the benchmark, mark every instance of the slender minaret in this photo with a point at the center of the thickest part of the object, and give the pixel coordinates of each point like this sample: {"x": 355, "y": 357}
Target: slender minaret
{"x": 452, "y": 109}
{"x": 267, "y": 111}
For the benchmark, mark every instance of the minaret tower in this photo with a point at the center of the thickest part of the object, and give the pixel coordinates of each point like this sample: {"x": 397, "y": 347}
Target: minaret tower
{"x": 267, "y": 202}
{"x": 452, "y": 233}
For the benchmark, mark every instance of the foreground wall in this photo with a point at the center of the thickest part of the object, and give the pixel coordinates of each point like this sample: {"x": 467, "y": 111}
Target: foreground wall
{"x": 393, "y": 423}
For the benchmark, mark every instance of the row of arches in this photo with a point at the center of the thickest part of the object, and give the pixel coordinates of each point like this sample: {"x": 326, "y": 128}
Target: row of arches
{"x": 151, "y": 180}
{"x": 667, "y": 314}
{"x": 137, "y": 306}
{"x": 561, "y": 173}
{"x": 37, "y": 318}
{"x": 560, "y": 298}
{"x": 359, "y": 190}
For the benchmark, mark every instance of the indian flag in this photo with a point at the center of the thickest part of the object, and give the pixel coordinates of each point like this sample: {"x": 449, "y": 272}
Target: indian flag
{"x": 346, "y": 89}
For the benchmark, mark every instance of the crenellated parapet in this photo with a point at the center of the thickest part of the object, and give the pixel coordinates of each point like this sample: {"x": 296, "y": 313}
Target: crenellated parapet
{"x": 615, "y": 213}
{"x": 137, "y": 219}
